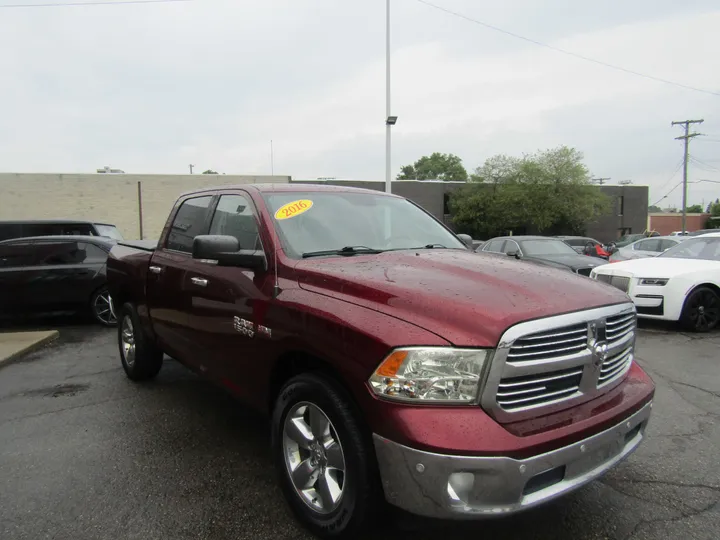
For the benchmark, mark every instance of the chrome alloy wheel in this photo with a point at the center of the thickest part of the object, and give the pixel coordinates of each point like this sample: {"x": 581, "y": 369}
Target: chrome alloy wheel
{"x": 128, "y": 341}
{"x": 314, "y": 457}
{"x": 103, "y": 308}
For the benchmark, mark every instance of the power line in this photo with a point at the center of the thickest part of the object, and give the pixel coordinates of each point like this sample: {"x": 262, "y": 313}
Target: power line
{"x": 566, "y": 52}
{"x": 98, "y": 3}
{"x": 677, "y": 168}
{"x": 701, "y": 162}
{"x": 668, "y": 193}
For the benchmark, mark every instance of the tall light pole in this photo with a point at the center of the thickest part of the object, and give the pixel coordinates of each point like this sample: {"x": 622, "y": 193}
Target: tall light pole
{"x": 389, "y": 120}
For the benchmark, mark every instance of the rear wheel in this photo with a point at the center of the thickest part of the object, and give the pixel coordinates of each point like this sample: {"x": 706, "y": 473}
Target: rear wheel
{"x": 327, "y": 467}
{"x": 102, "y": 307}
{"x": 140, "y": 358}
{"x": 701, "y": 312}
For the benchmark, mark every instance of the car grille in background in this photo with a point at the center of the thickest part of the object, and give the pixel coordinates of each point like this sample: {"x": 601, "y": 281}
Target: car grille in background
{"x": 584, "y": 271}
{"x": 614, "y": 367}
{"x": 619, "y": 282}
{"x": 551, "y": 344}
{"x": 538, "y": 389}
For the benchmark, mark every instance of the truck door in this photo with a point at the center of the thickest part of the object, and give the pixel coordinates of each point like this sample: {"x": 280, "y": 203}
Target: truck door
{"x": 227, "y": 313}
{"x": 168, "y": 295}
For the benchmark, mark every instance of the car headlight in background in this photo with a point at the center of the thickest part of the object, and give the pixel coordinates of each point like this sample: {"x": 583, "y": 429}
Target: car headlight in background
{"x": 657, "y": 282}
{"x": 439, "y": 374}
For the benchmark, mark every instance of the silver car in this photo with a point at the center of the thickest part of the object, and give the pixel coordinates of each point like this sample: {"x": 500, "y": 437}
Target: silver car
{"x": 646, "y": 247}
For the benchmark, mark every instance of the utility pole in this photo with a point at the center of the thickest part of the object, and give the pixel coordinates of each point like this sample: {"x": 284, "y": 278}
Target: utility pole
{"x": 686, "y": 138}
{"x": 191, "y": 168}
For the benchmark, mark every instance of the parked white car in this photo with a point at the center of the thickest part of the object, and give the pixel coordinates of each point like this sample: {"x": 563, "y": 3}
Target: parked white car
{"x": 647, "y": 247}
{"x": 681, "y": 284}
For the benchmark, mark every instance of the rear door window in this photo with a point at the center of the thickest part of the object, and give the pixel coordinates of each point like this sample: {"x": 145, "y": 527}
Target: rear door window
{"x": 648, "y": 245}
{"x": 59, "y": 253}
{"x": 495, "y": 246}
{"x": 188, "y": 223}
{"x": 16, "y": 255}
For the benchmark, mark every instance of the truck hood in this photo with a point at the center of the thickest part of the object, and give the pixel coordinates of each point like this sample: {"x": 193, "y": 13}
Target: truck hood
{"x": 466, "y": 298}
{"x": 658, "y": 267}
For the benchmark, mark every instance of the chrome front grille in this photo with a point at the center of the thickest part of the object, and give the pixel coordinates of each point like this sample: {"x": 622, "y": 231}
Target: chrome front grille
{"x": 619, "y": 282}
{"x": 554, "y": 363}
{"x": 556, "y": 342}
{"x": 615, "y": 367}
{"x": 520, "y": 392}
{"x": 620, "y": 326}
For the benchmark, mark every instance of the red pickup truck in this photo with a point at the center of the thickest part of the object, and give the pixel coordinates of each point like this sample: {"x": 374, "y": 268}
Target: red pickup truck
{"x": 395, "y": 364}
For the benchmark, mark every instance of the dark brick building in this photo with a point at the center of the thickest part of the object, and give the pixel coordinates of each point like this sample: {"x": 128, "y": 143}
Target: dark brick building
{"x": 629, "y": 208}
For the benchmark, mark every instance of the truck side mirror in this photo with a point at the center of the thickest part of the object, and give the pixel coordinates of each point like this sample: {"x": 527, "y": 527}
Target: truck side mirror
{"x": 226, "y": 251}
{"x": 466, "y": 239}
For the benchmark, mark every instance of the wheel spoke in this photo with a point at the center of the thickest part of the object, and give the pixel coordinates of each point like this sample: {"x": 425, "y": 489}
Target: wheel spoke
{"x": 328, "y": 489}
{"x": 297, "y": 430}
{"x": 304, "y": 475}
{"x": 319, "y": 424}
{"x": 334, "y": 455}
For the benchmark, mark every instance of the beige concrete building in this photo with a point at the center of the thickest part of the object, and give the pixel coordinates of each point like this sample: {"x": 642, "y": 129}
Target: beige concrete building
{"x": 109, "y": 198}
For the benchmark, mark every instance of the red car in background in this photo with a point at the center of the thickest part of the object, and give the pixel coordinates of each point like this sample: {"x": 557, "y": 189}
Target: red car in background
{"x": 587, "y": 246}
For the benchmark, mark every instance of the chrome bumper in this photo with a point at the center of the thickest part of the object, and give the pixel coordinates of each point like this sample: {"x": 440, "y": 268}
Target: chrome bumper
{"x": 457, "y": 487}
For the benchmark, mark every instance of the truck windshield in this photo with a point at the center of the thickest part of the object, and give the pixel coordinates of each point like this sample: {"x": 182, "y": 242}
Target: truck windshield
{"x": 313, "y": 222}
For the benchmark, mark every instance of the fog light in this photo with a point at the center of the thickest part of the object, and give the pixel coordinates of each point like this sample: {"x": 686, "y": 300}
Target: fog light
{"x": 459, "y": 486}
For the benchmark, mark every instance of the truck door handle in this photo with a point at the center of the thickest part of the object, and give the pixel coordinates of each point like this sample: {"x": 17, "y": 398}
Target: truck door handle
{"x": 199, "y": 281}
{"x": 155, "y": 269}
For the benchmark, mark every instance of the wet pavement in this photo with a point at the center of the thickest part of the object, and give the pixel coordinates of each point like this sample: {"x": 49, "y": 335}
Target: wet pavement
{"x": 87, "y": 454}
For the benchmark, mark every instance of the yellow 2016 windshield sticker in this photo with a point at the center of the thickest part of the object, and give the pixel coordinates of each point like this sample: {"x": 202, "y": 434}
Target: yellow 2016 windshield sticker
{"x": 293, "y": 209}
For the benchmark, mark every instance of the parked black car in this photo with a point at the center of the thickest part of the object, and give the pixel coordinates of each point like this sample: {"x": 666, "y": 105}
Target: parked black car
{"x": 543, "y": 250}
{"x": 57, "y": 227}
{"x": 55, "y": 274}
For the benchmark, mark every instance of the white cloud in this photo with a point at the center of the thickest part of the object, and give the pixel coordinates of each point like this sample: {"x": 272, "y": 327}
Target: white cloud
{"x": 153, "y": 88}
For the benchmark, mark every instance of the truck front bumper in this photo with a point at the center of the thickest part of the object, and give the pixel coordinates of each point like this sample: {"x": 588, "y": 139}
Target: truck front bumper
{"x": 457, "y": 487}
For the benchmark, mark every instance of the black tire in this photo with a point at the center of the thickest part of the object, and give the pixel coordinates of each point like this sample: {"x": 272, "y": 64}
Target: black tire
{"x": 102, "y": 308}
{"x": 362, "y": 496}
{"x": 146, "y": 359}
{"x": 701, "y": 312}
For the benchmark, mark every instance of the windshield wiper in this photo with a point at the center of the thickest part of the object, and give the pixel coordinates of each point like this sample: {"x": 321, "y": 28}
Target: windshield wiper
{"x": 346, "y": 251}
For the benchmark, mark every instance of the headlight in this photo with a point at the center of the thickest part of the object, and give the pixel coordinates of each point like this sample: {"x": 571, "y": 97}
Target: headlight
{"x": 430, "y": 374}
{"x": 657, "y": 282}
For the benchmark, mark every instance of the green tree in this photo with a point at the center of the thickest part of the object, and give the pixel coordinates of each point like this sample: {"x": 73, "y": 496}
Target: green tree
{"x": 549, "y": 191}
{"x": 714, "y": 208}
{"x": 437, "y": 166}
{"x": 654, "y": 209}
{"x": 210, "y": 171}
{"x": 694, "y": 209}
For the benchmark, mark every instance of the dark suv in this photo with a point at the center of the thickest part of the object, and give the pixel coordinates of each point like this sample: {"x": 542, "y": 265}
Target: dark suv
{"x": 57, "y": 227}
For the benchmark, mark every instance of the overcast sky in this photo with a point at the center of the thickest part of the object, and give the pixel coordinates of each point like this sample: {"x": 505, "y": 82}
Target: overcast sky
{"x": 152, "y": 88}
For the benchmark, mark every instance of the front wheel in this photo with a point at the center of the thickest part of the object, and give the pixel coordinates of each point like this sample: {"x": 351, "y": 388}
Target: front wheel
{"x": 327, "y": 467}
{"x": 701, "y": 312}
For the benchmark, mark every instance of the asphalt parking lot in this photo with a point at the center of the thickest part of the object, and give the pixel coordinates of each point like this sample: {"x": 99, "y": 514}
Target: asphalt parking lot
{"x": 86, "y": 454}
